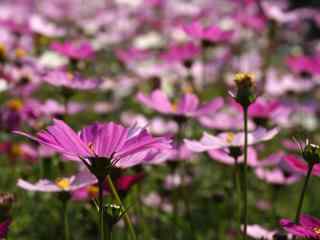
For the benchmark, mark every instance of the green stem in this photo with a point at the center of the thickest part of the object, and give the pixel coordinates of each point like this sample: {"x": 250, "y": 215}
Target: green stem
{"x": 118, "y": 200}
{"x": 66, "y": 221}
{"x": 236, "y": 185}
{"x": 101, "y": 210}
{"x": 244, "y": 171}
{"x": 304, "y": 188}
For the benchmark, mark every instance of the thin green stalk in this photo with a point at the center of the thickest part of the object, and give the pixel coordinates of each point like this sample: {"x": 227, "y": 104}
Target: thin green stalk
{"x": 236, "y": 186}
{"x": 118, "y": 200}
{"x": 244, "y": 172}
{"x": 66, "y": 221}
{"x": 304, "y": 188}
{"x": 101, "y": 210}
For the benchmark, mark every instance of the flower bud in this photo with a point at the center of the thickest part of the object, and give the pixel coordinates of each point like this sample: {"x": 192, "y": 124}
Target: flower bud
{"x": 311, "y": 153}
{"x": 245, "y": 89}
{"x": 113, "y": 214}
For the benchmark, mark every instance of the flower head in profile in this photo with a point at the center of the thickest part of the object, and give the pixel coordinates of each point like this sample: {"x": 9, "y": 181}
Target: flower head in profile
{"x": 245, "y": 94}
{"x": 60, "y": 78}
{"x": 212, "y": 34}
{"x": 100, "y": 146}
{"x": 66, "y": 184}
{"x": 188, "y": 105}
{"x": 310, "y": 157}
{"x": 308, "y": 227}
{"x": 230, "y": 139}
{"x": 74, "y": 50}
{"x": 183, "y": 53}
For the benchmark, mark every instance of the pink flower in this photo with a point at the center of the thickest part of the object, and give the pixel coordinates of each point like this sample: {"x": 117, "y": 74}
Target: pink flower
{"x": 300, "y": 166}
{"x": 188, "y": 105}
{"x": 228, "y": 139}
{"x": 123, "y": 147}
{"x": 258, "y": 232}
{"x": 61, "y": 78}
{"x": 308, "y": 227}
{"x": 4, "y": 228}
{"x": 183, "y": 53}
{"x": 212, "y": 33}
{"x": 300, "y": 64}
{"x": 224, "y": 157}
{"x": 72, "y": 183}
{"x": 74, "y": 50}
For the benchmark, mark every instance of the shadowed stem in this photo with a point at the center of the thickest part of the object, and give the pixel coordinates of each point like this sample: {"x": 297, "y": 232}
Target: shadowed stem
{"x": 304, "y": 188}
{"x": 118, "y": 200}
{"x": 101, "y": 209}
{"x": 66, "y": 221}
{"x": 244, "y": 175}
{"x": 236, "y": 183}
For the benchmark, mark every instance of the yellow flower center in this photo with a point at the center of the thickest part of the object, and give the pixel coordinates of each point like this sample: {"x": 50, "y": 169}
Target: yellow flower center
{"x": 70, "y": 76}
{"x": 15, "y": 150}
{"x": 15, "y": 104}
{"x": 2, "y": 49}
{"x": 244, "y": 79}
{"x": 20, "y": 53}
{"x": 316, "y": 230}
{"x": 230, "y": 137}
{"x": 93, "y": 191}
{"x": 174, "y": 107}
{"x": 188, "y": 89}
{"x": 63, "y": 183}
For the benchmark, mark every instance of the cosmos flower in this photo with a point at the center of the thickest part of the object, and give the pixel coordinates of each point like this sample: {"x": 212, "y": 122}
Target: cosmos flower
{"x": 121, "y": 146}
{"x": 229, "y": 139}
{"x": 74, "y": 50}
{"x": 188, "y": 105}
{"x": 258, "y": 232}
{"x": 223, "y": 156}
{"x": 60, "y": 78}
{"x": 4, "y": 228}
{"x": 308, "y": 227}
{"x": 65, "y": 184}
{"x": 182, "y": 53}
{"x": 212, "y": 33}
{"x": 301, "y": 166}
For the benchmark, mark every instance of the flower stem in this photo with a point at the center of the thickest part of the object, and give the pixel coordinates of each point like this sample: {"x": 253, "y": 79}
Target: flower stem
{"x": 101, "y": 210}
{"x": 118, "y": 200}
{"x": 244, "y": 172}
{"x": 304, "y": 188}
{"x": 66, "y": 221}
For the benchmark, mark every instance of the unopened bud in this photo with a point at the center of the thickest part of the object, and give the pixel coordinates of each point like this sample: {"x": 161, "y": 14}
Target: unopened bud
{"x": 245, "y": 89}
{"x": 311, "y": 153}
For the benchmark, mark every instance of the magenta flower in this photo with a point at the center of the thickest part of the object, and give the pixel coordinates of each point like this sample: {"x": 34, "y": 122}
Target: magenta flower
{"x": 61, "y": 78}
{"x": 74, "y": 50}
{"x": 183, "y": 53}
{"x": 308, "y": 227}
{"x": 229, "y": 139}
{"x": 132, "y": 55}
{"x": 4, "y": 228}
{"x": 123, "y": 147}
{"x": 188, "y": 105}
{"x": 301, "y": 64}
{"x": 301, "y": 166}
{"x": 212, "y": 33}
{"x": 72, "y": 183}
